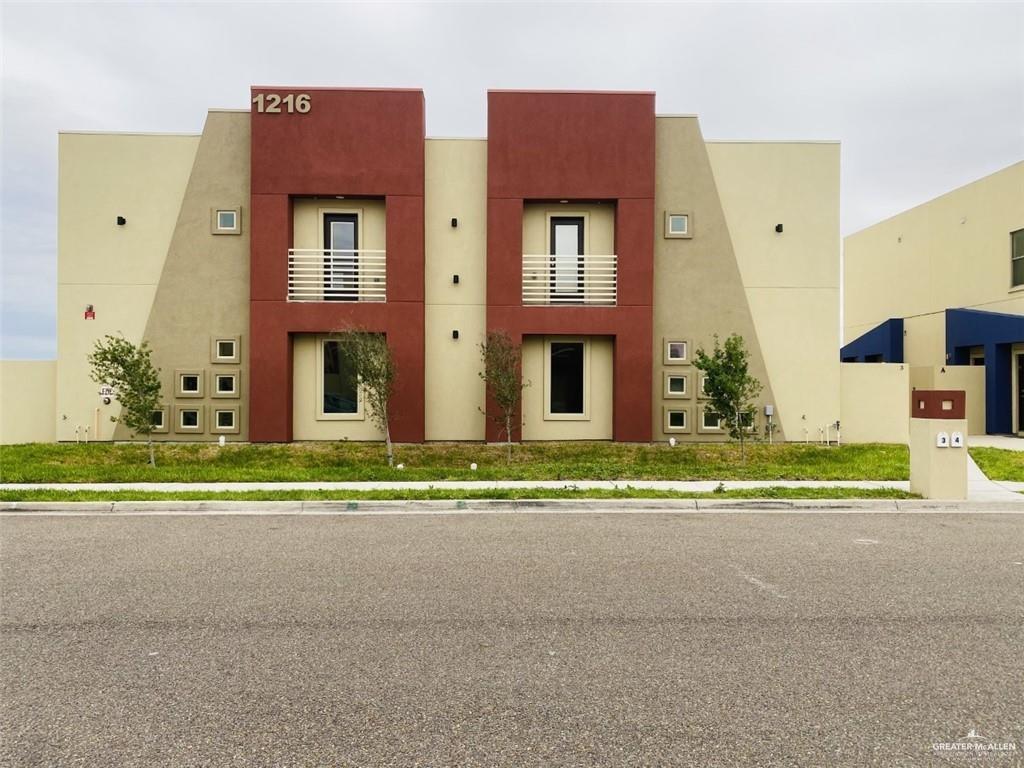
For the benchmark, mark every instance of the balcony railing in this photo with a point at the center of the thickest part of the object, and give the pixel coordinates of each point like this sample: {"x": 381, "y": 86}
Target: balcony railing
{"x": 316, "y": 274}
{"x": 570, "y": 280}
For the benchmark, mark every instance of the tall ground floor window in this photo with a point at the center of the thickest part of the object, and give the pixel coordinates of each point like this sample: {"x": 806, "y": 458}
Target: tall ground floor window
{"x": 566, "y": 388}
{"x": 340, "y": 389}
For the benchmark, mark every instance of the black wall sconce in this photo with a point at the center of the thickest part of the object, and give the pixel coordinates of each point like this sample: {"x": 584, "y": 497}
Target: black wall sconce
{"x": 778, "y": 228}
{"x": 455, "y": 222}
{"x": 455, "y": 279}
{"x": 455, "y": 334}
{"x": 121, "y": 221}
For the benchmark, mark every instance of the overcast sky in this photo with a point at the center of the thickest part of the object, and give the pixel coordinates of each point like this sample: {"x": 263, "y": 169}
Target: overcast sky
{"x": 923, "y": 97}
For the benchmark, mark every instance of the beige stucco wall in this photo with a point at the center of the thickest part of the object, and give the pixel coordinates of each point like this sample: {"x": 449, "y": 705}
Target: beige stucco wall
{"x": 597, "y": 387}
{"x": 306, "y": 423}
{"x": 28, "y": 392}
{"x": 937, "y": 473}
{"x": 875, "y": 403}
{"x": 455, "y": 187}
{"x": 969, "y": 378}
{"x": 953, "y": 251}
{"x": 698, "y": 287}
{"x": 307, "y": 220}
{"x": 203, "y": 291}
{"x": 114, "y": 268}
{"x": 791, "y": 278}
{"x": 598, "y": 228}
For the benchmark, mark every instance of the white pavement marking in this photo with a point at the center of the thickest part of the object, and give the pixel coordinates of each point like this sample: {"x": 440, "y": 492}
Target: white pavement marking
{"x": 771, "y": 589}
{"x": 865, "y": 541}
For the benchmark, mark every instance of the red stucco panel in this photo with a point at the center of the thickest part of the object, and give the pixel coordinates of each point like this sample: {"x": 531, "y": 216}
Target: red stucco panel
{"x": 353, "y": 143}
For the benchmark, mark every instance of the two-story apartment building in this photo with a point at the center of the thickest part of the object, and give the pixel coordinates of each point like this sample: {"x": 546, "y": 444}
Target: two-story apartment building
{"x": 609, "y": 241}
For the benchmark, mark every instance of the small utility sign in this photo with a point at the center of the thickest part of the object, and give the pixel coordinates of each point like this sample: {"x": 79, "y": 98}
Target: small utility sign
{"x": 106, "y": 391}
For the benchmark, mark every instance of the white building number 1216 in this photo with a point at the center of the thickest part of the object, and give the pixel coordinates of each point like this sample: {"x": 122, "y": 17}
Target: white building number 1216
{"x": 274, "y": 103}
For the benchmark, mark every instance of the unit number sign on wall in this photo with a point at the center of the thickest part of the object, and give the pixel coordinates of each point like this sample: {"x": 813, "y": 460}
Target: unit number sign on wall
{"x": 275, "y": 103}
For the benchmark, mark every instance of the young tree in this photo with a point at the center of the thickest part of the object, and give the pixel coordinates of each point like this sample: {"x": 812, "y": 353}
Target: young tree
{"x": 374, "y": 368}
{"x": 730, "y": 386}
{"x": 502, "y": 374}
{"x": 127, "y": 368}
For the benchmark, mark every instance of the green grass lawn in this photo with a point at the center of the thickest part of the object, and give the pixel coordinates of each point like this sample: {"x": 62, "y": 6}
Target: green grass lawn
{"x": 104, "y": 462}
{"x": 773, "y": 492}
{"x": 1000, "y": 464}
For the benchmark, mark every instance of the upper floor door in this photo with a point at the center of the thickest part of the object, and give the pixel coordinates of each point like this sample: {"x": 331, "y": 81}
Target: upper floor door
{"x": 341, "y": 256}
{"x": 566, "y": 249}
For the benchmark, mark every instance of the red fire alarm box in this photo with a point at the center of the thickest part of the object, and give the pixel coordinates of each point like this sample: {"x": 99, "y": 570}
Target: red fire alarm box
{"x": 90, "y": 313}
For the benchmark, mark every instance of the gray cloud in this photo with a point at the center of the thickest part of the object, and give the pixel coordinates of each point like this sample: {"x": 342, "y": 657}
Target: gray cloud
{"x": 924, "y": 97}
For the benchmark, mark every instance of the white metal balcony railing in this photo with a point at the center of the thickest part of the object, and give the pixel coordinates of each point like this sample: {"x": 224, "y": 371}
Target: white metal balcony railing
{"x": 317, "y": 274}
{"x": 568, "y": 280}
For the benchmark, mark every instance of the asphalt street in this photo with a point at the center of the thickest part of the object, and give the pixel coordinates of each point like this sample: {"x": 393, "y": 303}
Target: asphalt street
{"x": 511, "y": 639}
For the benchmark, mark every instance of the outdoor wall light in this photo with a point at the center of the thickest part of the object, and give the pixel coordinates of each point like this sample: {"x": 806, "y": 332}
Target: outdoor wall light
{"x": 455, "y": 222}
{"x": 455, "y": 334}
{"x": 778, "y": 228}
{"x": 121, "y": 221}
{"x": 455, "y": 279}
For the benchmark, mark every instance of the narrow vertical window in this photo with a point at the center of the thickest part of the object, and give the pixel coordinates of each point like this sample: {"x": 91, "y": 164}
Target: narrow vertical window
{"x": 340, "y": 388}
{"x": 567, "y": 377}
{"x": 1017, "y": 257}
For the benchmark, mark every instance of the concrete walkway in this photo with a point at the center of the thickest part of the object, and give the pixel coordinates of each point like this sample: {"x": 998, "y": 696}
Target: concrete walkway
{"x": 1005, "y": 442}
{"x": 980, "y": 488}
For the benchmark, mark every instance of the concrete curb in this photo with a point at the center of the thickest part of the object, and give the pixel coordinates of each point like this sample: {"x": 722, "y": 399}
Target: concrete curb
{"x": 497, "y": 506}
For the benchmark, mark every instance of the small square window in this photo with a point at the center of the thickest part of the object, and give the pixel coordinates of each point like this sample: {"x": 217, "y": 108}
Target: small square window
{"x": 678, "y": 225}
{"x": 224, "y": 349}
{"x": 710, "y": 420}
{"x": 158, "y": 420}
{"x": 675, "y": 385}
{"x": 188, "y": 383}
{"x": 225, "y": 384}
{"x": 675, "y": 418}
{"x": 677, "y": 352}
{"x": 704, "y": 386}
{"x": 226, "y": 221}
{"x": 224, "y": 419}
{"x": 188, "y": 419}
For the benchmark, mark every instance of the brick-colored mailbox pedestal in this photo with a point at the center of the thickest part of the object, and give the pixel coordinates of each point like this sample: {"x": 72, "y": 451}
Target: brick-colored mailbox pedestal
{"x": 938, "y": 443}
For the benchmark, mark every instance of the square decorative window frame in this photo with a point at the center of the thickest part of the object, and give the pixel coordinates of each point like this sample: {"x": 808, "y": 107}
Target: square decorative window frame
{"x": 215, "y": 390}
{"x": 701, "y": 393}
{"x": 218, "y": 430}
{"x": 665, "y": 342}
{"x": 669, "y": 394}
{"x": 215, "y": 227}
{"x": 548, "y": 415}
{"x": 669, "y": 234}
{"x": 198, "y": 373}
{"x": 179, "y": 410}
{"x": 701, "y": 428}
{"x": 319, "y": 415}
{"x": 215, "y": 356}
{"x": 670, "y": 430}
{"x": 166, "y": 426}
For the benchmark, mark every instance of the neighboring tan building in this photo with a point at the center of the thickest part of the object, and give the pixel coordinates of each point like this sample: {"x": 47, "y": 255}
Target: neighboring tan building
{"x": 609, "y": 241}
{"x": 940, "y": 287}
